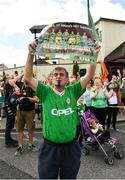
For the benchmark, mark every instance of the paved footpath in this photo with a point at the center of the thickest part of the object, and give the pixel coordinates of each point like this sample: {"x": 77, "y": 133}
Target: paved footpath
{"x": 8, "y": 171}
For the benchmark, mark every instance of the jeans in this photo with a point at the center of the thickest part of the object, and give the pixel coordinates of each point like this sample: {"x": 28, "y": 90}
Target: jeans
{"x": 10, "y": 121}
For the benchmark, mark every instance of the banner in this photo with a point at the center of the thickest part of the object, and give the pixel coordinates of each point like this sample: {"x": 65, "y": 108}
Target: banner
{"x": 67, "y": 41}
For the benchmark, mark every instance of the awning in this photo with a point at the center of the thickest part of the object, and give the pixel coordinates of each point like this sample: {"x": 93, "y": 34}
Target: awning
{"x": 116, "y": 57}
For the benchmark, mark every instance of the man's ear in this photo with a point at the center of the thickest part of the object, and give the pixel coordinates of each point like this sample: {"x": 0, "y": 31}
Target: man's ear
{"x": 67, "y": 81}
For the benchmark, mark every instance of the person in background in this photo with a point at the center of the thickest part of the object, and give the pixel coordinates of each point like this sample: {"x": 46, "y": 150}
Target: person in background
{"x": 99, "y": 97}
{"x": 97, "y": 129}
{"x": 38, "y": 110}
{"x": 72, "y": 79}
{"x": 113, "y": 101}
{"x": 105, "y": 83}
{"x": 49, "y": 79}
{"x": 60, "y": 153}
{"x": 9, "y": 88}
{"x": 86, "y": 95}
{"x": 25, "y": 115}
{"x": 16, "y": 73}
{"x": 119, "y": 76}
{"x": 114, "y": 83}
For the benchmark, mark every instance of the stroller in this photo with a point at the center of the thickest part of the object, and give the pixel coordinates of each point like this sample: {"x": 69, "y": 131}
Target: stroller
{"x": 98, "y": 140}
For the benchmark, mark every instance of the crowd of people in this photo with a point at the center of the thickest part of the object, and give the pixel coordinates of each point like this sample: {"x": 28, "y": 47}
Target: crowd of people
{"x": 60, "y": 96}
{"x": 103, "y": 98}
{"x": 18, "y": 103}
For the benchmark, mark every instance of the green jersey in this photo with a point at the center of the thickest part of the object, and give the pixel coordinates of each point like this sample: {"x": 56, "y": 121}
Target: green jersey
{"x": 60, "y": 116}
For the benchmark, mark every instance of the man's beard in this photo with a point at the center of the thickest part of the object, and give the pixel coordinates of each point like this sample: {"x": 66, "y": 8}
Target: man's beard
{"x": 58, "y": 83}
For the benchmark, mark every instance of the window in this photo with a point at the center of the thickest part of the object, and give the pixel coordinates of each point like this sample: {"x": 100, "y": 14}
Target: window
{"x": 99, "y": 34}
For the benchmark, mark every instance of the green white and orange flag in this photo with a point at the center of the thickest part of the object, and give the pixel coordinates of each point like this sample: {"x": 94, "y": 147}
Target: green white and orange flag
{"x": 105, "y": 72}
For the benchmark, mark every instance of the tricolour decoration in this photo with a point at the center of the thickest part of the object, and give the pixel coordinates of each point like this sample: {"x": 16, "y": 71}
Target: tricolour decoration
{"x": 67, "y": 41}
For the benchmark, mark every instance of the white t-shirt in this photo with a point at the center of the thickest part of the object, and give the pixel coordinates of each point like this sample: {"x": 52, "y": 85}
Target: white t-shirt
{"x": 113, "y": 99}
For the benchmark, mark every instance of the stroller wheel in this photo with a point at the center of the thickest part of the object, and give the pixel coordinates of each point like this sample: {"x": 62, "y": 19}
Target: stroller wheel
{"x": 85, "y": 151}
{"x": 118, "y": 154}
{"x": 109, "y": 160}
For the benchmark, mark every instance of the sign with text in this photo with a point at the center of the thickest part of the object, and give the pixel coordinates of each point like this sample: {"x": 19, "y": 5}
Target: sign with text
{"x": 67, "y": 41}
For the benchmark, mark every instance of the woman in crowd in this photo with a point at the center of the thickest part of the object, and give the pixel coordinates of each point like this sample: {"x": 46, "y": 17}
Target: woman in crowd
{"x": 86, "y": 95}
{"x": 99, "y": 96}
{"x": 113, "y": 101}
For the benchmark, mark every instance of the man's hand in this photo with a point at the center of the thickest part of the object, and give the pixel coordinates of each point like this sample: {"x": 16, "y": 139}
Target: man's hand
{"x": 32, "y": 46}
{"x": 13, "y": 84}
{"x": 97, "y": 47}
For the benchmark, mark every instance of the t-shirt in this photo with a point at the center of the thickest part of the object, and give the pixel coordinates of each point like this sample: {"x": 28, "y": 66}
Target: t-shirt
{"x": 60, "y": 116}
{"x": 87, "y": 99}
{"x": 99, "y": 101}
{"x": 25, "y": 104}
{"x": 113, "y": 99}
{"x": 7, "y": 89}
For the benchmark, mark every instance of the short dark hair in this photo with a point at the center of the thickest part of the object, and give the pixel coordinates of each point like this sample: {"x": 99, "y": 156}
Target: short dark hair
{"x": 4, "y": 78}
{"x": 60, "y": 69}
{"x": 16, "y": 72}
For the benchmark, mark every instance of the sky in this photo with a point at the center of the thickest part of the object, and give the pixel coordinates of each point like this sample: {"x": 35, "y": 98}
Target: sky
{"x": 18, "y": 16}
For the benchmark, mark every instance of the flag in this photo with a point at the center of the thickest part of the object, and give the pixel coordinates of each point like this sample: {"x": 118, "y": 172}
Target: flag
{"x": 104, "y": 72}
{"x": 91, "y": 23}
{"x": 119, "y": 97}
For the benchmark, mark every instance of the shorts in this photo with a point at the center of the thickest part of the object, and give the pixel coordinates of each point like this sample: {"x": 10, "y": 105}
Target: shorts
{"x": 25, "y": 117}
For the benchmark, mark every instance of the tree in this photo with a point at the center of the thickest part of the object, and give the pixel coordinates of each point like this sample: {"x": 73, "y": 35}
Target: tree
{"x": 75, "y": 69}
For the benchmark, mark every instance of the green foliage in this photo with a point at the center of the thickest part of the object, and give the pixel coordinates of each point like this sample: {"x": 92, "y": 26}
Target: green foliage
{"x": 75, "y": 69}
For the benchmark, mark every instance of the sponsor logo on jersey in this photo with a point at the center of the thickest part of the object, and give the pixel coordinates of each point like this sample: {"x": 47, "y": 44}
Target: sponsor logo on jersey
{"x": 68, "y": 101}
{"x": 59, "y": 112}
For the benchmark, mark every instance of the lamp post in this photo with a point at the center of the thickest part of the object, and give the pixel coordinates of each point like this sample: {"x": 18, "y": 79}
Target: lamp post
{"x": 34, "y": 30}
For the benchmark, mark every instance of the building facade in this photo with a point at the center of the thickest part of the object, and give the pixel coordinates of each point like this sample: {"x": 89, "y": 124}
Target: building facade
{"x": 112, "y": 34}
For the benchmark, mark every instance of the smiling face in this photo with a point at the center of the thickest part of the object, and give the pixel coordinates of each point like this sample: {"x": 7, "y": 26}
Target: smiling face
{"x": 98, "y": 83}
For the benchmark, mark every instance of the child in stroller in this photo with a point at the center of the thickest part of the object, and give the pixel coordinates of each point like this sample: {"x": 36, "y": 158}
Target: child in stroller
{"x": 97, "y": 129}
{"x": 96, "y": 136}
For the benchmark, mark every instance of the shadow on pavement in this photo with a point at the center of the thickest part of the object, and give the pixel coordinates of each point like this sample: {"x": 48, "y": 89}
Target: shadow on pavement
{"x": 10, "y": 172}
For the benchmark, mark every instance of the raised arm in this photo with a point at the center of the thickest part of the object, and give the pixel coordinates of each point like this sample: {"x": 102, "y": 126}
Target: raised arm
{"x": 90, "y": 71}
{"x": 89, "y": 75}
{"x": 28, "y": 71}
{"x": 19, "y": 77}
{"x": 13, "y": 84}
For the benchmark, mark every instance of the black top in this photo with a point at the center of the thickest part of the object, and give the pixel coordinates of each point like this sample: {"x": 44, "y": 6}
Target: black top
{"x": 8, "y": 89}
{"x": 25, "y": 104}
